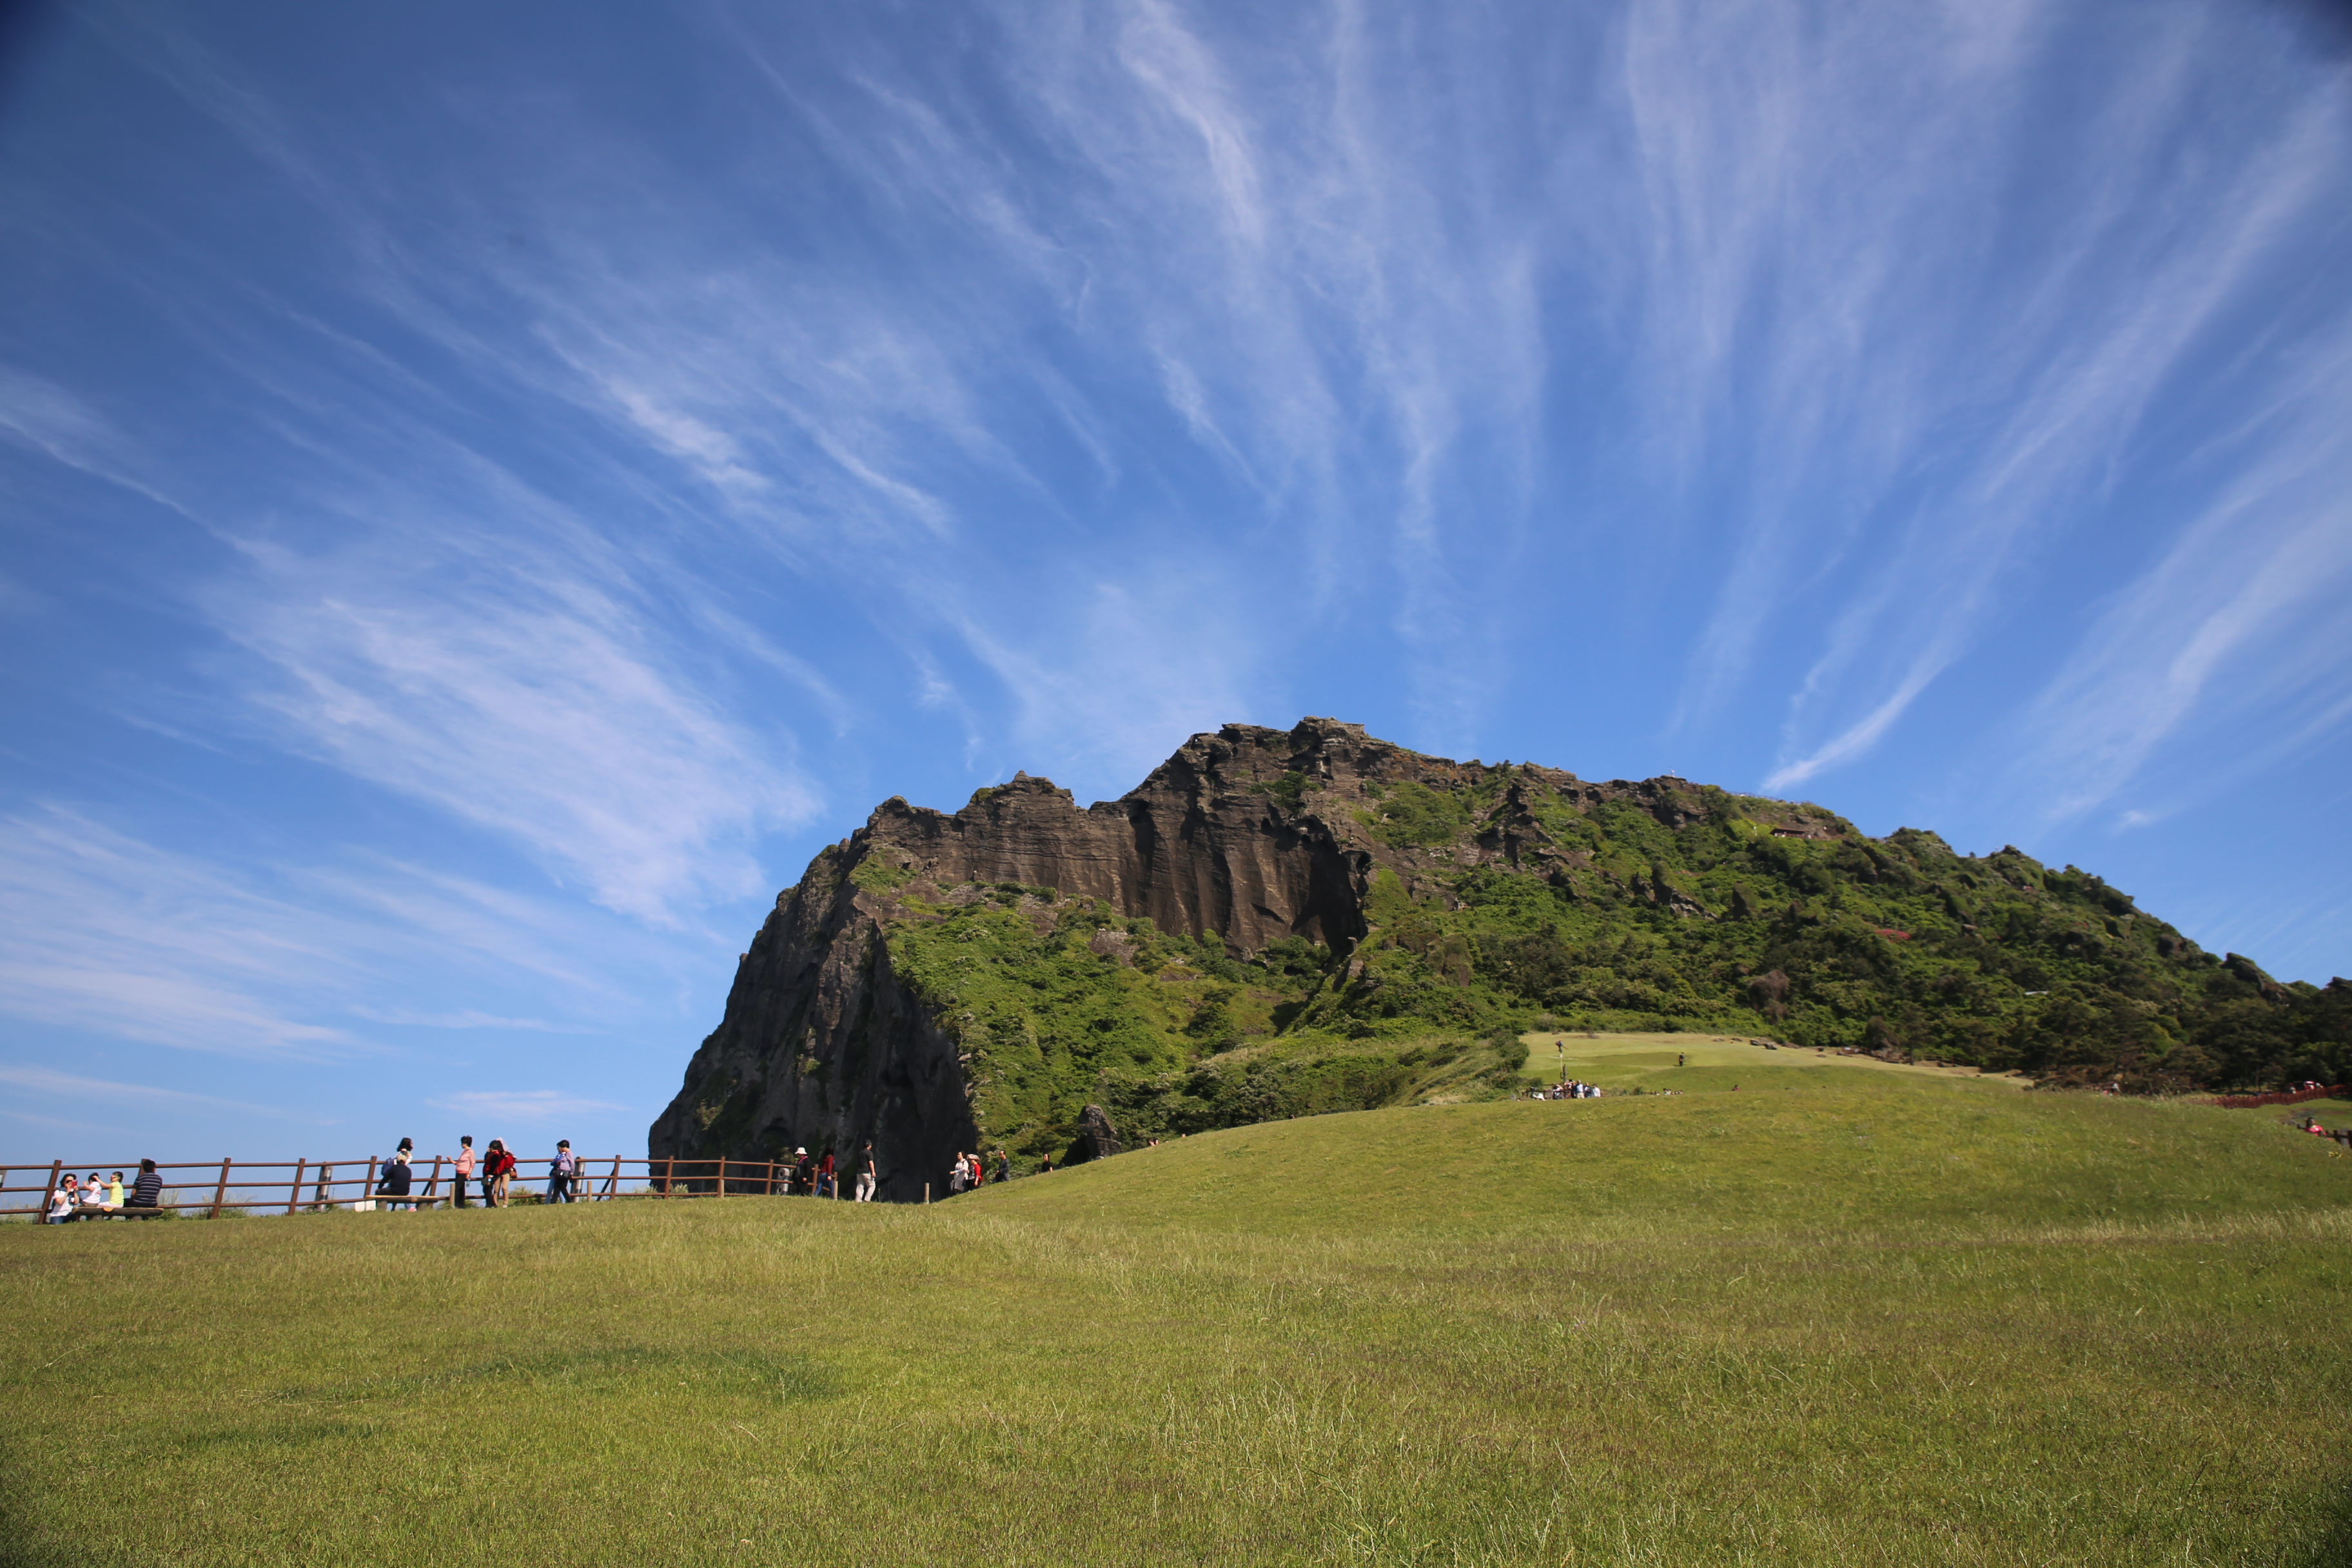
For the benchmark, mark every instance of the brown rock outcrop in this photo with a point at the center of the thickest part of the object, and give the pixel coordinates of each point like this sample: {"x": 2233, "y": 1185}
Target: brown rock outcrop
{"x": 1255, "y": 834}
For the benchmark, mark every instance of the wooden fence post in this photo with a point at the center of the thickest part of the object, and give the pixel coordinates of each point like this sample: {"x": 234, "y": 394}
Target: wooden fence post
{"x": 669, "y": 1166}
{"x": 294, "y": 1193}
{"x": 320, "y": 1194}
{"x": 220, "y": 1193}
{"x": 433, "y": 1186}
{"x": 57, "y": 1169}
{"x": 368, "y": 1192}
{"x": 613, "y": 1187}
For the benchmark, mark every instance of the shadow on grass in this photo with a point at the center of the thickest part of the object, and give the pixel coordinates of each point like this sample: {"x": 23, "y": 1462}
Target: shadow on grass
{"x": 781, "y": 1378}
{"x": 25, "y": 1540}
{"x": 2331, "y": 1546}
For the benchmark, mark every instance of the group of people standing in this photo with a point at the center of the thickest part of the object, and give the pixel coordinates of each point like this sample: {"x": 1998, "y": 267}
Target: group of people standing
{"x": 819, "y": 1175}
{"x": 494, "y": 1168}
{"x": 970, "y": 1171}
{"x": 1574, "y": 1088}
{"x": 74, "y": 1199}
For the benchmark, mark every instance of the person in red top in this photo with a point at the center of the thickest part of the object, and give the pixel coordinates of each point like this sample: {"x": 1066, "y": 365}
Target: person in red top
{"x": 498, "y": 1168}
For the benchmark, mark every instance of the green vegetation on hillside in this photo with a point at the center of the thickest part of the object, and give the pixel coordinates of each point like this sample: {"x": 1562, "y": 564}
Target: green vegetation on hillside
{"x": 1849, "y": 1314}
{"x": 1691, "y": 908}
{"x": 1055, "y": 1004}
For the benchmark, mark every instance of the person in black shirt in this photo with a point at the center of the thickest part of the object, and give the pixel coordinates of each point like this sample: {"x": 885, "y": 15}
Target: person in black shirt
{"x": 146, "y": 1193}
{"x": 396, "y": 1172}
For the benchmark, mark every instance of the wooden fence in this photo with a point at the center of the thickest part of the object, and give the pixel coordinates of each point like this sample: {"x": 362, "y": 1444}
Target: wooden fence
{"x": 212, "y": 1188}
{"x": 2284, "y": 1097}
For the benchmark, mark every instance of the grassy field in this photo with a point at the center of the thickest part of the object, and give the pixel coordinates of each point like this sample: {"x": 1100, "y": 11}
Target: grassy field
{"x": 1846, "y": 1313}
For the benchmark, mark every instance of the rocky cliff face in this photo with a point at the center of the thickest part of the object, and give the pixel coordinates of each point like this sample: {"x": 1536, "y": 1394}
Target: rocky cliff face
{"x": 1369, "y": 916}
{"x": 1245, "y": 833}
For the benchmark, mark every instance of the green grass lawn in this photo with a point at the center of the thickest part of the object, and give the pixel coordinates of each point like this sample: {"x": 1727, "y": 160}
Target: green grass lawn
{"x": 1845, "y": 1314}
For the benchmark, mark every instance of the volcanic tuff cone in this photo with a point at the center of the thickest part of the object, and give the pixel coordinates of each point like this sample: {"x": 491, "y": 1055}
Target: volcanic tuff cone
{"x": 1279, "y": 922}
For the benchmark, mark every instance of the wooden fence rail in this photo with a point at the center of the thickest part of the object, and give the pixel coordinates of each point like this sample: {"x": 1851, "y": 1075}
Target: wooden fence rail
{"x": 243, "y": 1187}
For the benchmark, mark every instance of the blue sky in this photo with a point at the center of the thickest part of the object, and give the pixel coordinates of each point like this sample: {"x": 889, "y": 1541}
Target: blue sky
{"x": 487, "y": 491}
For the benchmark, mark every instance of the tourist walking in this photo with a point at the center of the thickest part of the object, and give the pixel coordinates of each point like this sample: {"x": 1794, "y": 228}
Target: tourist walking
{"x": 465, "y": 1168}
{"x": 958, "y": 1173}
{"x": 804, "y": 1171}
{"x": 560, "y": 1171}
{"x": 1004, "y": 1165}
{"x": 867, "y": 1173}
{"x": 826, "y": 1184}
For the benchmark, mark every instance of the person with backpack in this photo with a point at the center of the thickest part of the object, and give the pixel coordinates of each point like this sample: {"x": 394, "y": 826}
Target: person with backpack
{"x": 867, "y": 1173}
{"x": 559, "y": 1172}
{"x": 465, "y": 1164}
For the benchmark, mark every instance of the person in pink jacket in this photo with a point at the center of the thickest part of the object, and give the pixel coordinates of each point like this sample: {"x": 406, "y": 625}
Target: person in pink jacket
{"x": 465, "y": 1169}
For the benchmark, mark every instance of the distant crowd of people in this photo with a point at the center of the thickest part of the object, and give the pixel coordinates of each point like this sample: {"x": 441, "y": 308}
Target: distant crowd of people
{"x": 811, "y": 1175}
{"x": 970, "y": 1171}
{"x": 1573, "y": 1089}
{"x": 493, "y": 1168}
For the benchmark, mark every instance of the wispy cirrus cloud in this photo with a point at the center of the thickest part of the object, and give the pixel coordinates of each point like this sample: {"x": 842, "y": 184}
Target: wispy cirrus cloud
{"x": 533, "y": 705}
{"x": 101, "y": 1092}
{"x": 1892, "y": 463}
{"x": 108, "y": 933}
{"x": 104, "y": 932}
{"x": 520, "y": 1104}
{"x": 2238, "y": 637}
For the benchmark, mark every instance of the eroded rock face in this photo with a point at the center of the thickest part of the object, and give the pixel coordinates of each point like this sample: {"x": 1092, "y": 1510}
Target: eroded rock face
{"x": 1097, "y": 1138}
{"x": 821, "y": 1046}
{"x": 1255, "y": 834}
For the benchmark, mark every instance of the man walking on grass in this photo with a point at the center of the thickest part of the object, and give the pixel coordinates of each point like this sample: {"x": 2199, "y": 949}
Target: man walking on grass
{"x": 866, "y": 1173}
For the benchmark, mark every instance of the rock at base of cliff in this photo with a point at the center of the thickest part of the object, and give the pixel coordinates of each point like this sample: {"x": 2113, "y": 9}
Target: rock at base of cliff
{"x": 1097, "y": 1138}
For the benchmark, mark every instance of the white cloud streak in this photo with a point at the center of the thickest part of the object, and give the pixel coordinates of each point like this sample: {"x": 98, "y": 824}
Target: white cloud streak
{"x": 70, "y": 1085}
{"x": 519, "y": 1105}
{"x": 1161, "y": 348}
{"x": 104, "y": 932}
